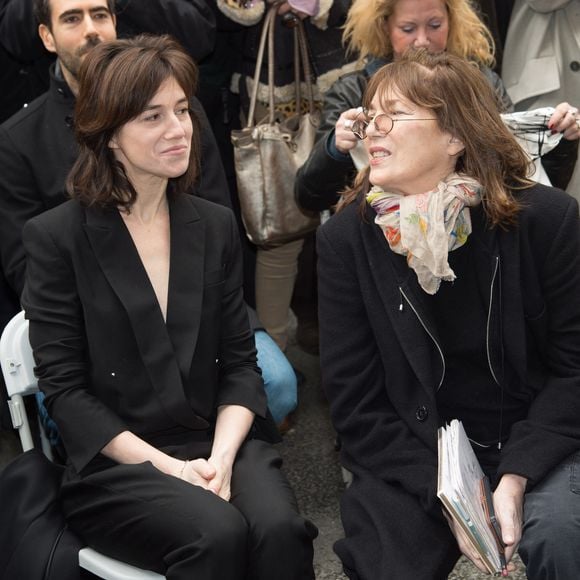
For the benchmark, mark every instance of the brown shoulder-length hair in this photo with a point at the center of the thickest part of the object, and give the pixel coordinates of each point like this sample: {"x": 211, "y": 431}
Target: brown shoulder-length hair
{"x": 117, "y": 80}
{"x": 466, "y": 106}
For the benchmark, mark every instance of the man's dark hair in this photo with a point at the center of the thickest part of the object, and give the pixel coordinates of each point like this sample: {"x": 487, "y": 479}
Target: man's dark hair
{"x": 42, "y": 11}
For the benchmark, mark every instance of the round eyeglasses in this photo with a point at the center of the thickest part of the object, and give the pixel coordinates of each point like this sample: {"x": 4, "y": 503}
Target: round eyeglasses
{"x": 383, "y": 123}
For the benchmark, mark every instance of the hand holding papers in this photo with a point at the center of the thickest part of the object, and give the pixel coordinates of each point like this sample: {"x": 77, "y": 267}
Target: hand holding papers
{"x": 464, "y": 490}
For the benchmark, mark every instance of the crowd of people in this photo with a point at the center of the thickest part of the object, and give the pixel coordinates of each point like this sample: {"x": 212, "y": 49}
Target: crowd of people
{"x": 443, "y": 282}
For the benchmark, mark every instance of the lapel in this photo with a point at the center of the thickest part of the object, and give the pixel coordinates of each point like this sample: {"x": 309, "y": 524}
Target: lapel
{"x": 393, "y": 277}
{"x": 185, "y": 279}
{"x": 120, "y": 263}
{"x": 496, "y": 277}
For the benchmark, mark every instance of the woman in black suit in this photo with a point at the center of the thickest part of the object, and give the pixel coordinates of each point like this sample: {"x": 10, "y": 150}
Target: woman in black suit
{"x": 142, "y": 341}
{"x": 448, "y": 289}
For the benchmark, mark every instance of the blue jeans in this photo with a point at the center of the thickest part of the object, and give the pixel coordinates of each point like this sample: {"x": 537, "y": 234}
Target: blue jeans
{"x": 279, "y": 376}
{"x": 550, "y": 545}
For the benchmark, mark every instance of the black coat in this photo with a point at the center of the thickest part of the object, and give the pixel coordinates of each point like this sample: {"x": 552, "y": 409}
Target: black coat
{"x": 106, "y": 359}
{"x": 381, "y": 366}
{"x": 191, "y": 22}
{"x": 38, "y": 149}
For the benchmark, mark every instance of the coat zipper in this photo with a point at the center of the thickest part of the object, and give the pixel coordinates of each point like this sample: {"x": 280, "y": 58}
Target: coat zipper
{"x": 427, "y": 331}
{"x": 487, "y": 344}
{"x": 487, "y": 340}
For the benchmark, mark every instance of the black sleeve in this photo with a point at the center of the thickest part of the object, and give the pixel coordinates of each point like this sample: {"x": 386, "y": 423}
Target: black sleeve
{"x": 212, "y": 183}
{"x": 505, "y": 102}
{"x": 58, "y": 338}
{"x": 191, "y": 22}
{"x": 240, "y": 380}
{"x": 551, "y": 431}
{"x": 19, "y": 31}
{"x": 561, "y": 162}
{"x": 338, "y": 13}
{"x": 20, "y": 200}
{"x": 322, "y": 177}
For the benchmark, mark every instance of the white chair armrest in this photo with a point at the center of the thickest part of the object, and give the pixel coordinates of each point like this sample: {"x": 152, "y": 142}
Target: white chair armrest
{"x": 111, "y": 569}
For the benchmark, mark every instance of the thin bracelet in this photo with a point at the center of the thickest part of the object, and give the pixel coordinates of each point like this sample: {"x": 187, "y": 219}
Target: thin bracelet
{"x": 185, "y": 462}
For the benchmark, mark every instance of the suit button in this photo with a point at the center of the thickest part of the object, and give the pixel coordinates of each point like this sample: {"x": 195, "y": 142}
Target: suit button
{"x": 575, "y": 65}
{"x": 421, "y": 413}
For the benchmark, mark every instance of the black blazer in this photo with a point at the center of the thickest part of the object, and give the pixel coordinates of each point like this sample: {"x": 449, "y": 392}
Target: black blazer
{"x": 106, "y": 359}
{"x": 381, "y": 368}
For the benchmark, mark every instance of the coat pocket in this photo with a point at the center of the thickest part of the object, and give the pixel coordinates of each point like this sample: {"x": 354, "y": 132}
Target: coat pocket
{"x": 214, "y": 277}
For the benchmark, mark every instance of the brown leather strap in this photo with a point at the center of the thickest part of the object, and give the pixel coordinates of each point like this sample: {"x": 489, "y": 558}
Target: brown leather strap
{"x": 301, "y": 62}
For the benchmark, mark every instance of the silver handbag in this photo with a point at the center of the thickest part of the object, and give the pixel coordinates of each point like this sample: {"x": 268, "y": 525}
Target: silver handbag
{"x": 268, "y": 154}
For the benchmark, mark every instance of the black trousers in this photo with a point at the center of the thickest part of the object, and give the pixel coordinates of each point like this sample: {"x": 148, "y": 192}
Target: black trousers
{"x": 141, "y": 516}
{"x": 389, "y": 536}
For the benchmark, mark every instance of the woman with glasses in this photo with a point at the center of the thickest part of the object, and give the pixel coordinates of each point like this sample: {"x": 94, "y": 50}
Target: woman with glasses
{"x": 380, "y": 31}
{"x": 448, "y": 289}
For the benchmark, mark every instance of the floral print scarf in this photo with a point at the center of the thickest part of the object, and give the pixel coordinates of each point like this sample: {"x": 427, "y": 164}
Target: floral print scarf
{"x": 427, "y": 226}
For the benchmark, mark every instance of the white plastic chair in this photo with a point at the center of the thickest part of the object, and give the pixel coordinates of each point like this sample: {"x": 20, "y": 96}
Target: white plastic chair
{"x": 18, "y": 371}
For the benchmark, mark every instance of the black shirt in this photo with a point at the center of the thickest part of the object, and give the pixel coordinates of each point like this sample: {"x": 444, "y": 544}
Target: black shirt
{"x": 469, "y": 391}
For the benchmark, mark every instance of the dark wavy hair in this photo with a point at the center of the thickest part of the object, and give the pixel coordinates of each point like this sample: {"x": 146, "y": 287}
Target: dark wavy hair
{"x": 466, "y": 106}
{"x": 117, "y": 80}
{"x": 43, "y": 11}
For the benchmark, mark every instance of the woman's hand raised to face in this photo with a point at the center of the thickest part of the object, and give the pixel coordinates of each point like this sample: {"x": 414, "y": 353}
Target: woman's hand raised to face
{"x": 344, "y": 138}
{"x": 565, "y": 120}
